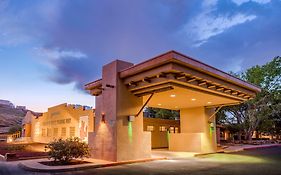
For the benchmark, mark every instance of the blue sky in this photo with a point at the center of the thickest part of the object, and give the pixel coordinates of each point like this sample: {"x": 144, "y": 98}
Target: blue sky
{"x": 49, "y": 49}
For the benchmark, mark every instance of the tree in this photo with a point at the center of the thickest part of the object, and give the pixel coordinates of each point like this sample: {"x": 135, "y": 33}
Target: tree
{"x": 14, "y": 129}
{"x": 263, "y": 112}
{"x": 161, "y": 113}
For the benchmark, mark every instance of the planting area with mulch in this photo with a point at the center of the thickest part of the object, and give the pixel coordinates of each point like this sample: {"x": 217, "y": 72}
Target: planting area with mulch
{"x": 56, "y": 163}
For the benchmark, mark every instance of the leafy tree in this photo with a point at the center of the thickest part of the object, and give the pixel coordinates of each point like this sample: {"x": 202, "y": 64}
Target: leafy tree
{"x": 262, "y": 113}
{"x": 63, "y": 151}
{"x": 14, "y": 129}
{"x": 161, "y": 113}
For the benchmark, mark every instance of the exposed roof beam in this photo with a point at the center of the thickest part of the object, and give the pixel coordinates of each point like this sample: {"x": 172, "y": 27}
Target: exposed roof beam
{"x": 146, "y": 79}
{"x": 211, "y": 86}
{"x": 202, "y": 83}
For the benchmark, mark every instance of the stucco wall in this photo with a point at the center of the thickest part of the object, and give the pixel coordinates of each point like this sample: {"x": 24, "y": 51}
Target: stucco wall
{"x": 159, "y": 139}
{"x": 197, "y": 134}
{"x": 116, "y": 139}
{"x": 61, "y": 116}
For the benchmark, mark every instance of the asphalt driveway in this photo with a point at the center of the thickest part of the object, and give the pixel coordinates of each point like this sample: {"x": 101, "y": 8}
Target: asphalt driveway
{"x": 259, "y": 162}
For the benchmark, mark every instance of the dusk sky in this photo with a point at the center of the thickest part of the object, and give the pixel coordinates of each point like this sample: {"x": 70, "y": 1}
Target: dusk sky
{"x": 49, "y": 49}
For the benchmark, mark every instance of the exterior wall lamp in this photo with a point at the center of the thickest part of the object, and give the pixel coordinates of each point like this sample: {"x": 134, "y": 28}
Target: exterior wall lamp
{"x": 131, "y": 118}
{"x": 103, "y": 117}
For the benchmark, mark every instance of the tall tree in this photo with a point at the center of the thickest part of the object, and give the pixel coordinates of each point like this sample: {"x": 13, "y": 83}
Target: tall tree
{"x": 263, "y": 112}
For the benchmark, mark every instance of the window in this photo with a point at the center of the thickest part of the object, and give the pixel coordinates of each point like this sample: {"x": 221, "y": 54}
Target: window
{"x": 176, "y": 130}
{"x": 49, "y": 132}
{"x": 172, "y": 129}
{"x": 61, "y": 121}
{"x": 150, "y": 128}
{"x": 71, "y": 131}
{"x": 56, "y": 130}
{"x": 63, "y": 132}
{"x": 53, "y": 122}
{"x": 162, "y": 128}
{"x": 68, "y": 120}
{"x": 43, "y": 132}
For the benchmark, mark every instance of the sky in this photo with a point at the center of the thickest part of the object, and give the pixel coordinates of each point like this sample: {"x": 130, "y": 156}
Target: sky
{"x": 50, "y": 48}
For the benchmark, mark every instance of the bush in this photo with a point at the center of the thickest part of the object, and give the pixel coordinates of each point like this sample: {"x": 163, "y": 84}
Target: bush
{"x": 64, "y": 151}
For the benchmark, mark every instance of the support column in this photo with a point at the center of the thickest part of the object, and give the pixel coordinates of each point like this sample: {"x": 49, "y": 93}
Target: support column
{"x": 198, "y": 133}
{"x": 117, "y": 139}
{"x": 218, "y": 132}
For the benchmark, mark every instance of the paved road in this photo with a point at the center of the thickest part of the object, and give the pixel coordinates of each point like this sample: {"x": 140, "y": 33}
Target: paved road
{"x": 258, "y": 162}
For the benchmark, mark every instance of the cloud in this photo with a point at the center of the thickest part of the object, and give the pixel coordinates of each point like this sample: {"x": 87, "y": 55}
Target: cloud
{"x": 240, "y": 2}
{"x": 209, "y": 3}
{"x": 58, "y": 53}
{"x": 104, "y": 31}
{"x": 26, "y": 22}
{"x": 75, "y": 38}
{"x": 209, "y": 23}
{"x": 206, "y": 26}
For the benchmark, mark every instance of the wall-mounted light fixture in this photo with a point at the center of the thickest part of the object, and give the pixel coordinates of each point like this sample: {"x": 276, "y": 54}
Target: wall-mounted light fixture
{"x": 103, "y": 117}
{"x": 131, "y": 118}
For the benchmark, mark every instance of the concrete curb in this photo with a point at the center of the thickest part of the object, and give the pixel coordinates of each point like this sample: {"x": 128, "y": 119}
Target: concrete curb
{"x": 2, "y": 158}
{"x": 238, "y": 150}
{"x": 252, "y": 148}
{"x": 264, "y": 146}
{"x": 83, "y": 167}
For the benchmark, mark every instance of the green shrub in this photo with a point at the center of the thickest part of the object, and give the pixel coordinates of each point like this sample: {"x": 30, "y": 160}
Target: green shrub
{"x": 64, "y": 151}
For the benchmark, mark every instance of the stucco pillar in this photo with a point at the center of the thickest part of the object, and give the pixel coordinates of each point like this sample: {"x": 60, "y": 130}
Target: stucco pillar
{"x": 218, "y": 131}
{"x": 198, "y": 132}
{"x": 116, "y": 139}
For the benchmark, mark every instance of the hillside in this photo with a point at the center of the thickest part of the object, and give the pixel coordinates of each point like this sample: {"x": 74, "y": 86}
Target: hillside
{"x": 10, "y": 116}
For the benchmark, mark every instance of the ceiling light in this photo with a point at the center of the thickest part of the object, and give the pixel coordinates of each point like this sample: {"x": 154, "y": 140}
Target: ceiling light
{"x": 176, "y": 106}
{"x": 193, "y": 99}
{"x": 159, "y": 104}
{"x": 209, "y": 102}
{"x": 172, "y": 95}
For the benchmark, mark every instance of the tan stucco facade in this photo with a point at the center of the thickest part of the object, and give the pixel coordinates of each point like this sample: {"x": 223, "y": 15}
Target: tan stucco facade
{"x": 198, "y": 132}
{"x": 160, "y": 130}
{"x": 115, "y": 138}
{"x": 61, "y": 121}
{"x": 171, "y": 81}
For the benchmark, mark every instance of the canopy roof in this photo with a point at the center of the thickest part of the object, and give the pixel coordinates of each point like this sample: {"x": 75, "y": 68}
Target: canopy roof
{"x": 175, "y": 71}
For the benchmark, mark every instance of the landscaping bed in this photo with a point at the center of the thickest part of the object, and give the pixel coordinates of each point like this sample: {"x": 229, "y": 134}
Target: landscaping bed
{"x": 56, "y": 163}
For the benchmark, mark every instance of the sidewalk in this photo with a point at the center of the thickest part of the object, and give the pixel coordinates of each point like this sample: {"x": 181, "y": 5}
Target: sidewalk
{"x": 35, "y": 166}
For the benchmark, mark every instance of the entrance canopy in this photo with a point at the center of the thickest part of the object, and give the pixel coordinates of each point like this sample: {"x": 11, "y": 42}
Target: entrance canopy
{"x": 183, "y": 81}
{"x": 172, "y": 81}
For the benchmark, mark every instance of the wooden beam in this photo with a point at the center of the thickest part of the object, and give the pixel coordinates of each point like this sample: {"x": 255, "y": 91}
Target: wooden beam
{"x": 227, "y": 90}
{"x": 202, "y": 83}
{"x": 210, "y": 78}
{"x": 191, "y": 80}
{"x": 211, "y": 86}
{"x": 180, "y": 76}
{"x": 146, "y": 79}
{"x": 143, "y": 106}
{"x": 154, "y": 91}
{"x": 241, "y": 95}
